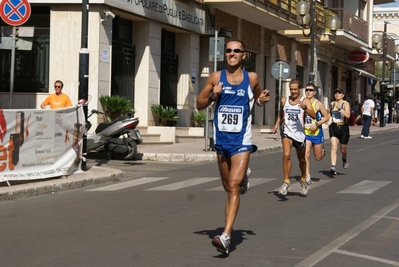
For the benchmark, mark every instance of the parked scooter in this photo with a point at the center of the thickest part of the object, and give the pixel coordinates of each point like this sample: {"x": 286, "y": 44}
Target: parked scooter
{"x": 119, "y": 138}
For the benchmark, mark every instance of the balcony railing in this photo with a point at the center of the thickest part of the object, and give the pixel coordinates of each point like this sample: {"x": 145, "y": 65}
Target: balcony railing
{"x": 287, "y": 7}
{"x": 353, "y": 24}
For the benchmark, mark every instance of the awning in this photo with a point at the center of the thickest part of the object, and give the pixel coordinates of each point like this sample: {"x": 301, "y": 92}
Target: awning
{"x": 360, "y": 71}
{"x": 366, "y": 74}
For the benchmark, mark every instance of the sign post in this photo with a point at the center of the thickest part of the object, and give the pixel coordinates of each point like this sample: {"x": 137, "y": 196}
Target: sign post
{"x": 280, "y": 70}
{"x": 216, "y": 48}
{"x": 14, "y": 13}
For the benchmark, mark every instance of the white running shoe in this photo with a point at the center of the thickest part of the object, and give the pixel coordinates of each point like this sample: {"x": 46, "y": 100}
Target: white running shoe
{"x": 368, "y": 137}
{"x": 362, "y": 136}
{"x": 304, "y": 188}
{"x": 345, "y": 165}
{"x": 284, "y": 189}
{"x": 308, "y": 179}
{"x": 222, "y": 243}
{"x": 244, "y": 185}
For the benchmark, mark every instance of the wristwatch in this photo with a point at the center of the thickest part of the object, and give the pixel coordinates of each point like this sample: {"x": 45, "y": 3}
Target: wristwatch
{"x": 210, "y": 96}
{"x": 317, "y": 124}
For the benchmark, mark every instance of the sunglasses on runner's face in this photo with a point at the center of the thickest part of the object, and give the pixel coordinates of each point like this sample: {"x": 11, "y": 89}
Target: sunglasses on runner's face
{"x": 57, "y": 86}
{"x": 236, "y": 50}
{"x": 308, "y": 90}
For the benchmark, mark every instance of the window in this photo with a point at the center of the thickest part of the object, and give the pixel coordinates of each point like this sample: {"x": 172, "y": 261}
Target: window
{"x": 31, "y": 73}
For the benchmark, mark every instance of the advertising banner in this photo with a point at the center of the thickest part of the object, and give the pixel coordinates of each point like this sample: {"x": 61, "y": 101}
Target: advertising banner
{"x": 37, "y": 144}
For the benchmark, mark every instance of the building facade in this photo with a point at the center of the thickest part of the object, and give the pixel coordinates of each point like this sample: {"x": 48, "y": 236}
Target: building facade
{"x": 157, "y": 52}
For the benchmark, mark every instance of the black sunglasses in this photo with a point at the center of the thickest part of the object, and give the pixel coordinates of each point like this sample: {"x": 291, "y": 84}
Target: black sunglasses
{"x": 308, "y": 90}
{"x": 57, "y": 86}
{"x": 228, "y": 50}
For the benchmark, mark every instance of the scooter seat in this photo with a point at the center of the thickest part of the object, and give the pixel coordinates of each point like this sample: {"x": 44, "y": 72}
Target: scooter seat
{"x": 104, "y": 125}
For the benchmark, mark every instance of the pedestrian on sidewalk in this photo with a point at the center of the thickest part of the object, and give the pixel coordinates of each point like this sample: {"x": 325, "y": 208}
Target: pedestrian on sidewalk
{"x": 234, "y": 91}
{"x": 313, "y": 129}
{"x": 291, "y": 122}
{"x": 368, "y": 116}
{"x": 339, "y": 129}
{"x": 397, "y": 111}
{"x": 58, "y": 99}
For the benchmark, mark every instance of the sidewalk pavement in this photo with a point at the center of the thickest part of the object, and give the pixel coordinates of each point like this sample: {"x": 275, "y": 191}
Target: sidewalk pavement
{"x": 187, "y": 151}
{"x": 195, "y": 150}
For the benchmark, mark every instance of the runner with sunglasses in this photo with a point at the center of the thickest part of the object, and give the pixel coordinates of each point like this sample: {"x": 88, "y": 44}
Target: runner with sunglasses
{"x": 313, "y": 129}
{"x": 234, "y": 91}
{"x": 339, "y": 129}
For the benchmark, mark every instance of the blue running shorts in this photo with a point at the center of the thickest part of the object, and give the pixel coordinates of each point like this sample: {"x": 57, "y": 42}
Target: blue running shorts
{"x": 228, "y": 151}
{"x": 316, "y": 140}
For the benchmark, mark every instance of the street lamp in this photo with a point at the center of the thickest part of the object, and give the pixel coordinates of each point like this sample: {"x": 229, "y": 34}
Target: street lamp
{"x": 306, "y": 16}
{"x": 332, "y": 23}
{"x": 393, "y": 94}
{"x": 379, "y": 42}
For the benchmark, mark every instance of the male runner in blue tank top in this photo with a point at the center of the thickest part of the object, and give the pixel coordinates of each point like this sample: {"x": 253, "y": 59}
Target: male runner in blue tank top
{"x": 234, "y": 92}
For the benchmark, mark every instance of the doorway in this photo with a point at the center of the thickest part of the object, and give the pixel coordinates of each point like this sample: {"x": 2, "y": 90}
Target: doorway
{"x": 123, "y": 58}
{"x": 169, "y": 67}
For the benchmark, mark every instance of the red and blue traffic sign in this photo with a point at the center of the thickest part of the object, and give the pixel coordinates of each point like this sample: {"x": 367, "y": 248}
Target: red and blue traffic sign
{"x": 15, "y": 12}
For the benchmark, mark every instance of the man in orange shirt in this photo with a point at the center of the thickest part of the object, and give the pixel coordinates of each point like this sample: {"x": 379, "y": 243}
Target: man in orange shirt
{"x": 57, "y": 100}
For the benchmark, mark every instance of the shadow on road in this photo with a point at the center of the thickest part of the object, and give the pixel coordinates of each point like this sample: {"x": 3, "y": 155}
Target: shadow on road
{"x": 237, "y": 237}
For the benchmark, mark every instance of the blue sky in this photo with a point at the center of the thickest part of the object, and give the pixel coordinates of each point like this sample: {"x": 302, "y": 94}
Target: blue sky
{"x": 390, "y": 4}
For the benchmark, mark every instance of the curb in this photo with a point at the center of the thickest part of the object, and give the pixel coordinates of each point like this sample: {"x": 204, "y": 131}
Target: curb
{"x": 180, "y": 157}
{"x": 94, "y": 175}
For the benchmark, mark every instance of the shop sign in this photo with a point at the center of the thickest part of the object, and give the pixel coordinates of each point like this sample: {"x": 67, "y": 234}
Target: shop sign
{"x": 358, "y": 56}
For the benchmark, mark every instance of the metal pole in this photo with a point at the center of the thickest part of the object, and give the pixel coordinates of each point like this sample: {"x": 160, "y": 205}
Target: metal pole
{"x": 384, "y": 56}
{"x": 215, "y": 65}
{"x": 394, "y": 91}
{"x": 312, "y": 36}
{"x": 390, "y": 94}
{"x": 84, "y": 74}
{"x": 12, "y": 70}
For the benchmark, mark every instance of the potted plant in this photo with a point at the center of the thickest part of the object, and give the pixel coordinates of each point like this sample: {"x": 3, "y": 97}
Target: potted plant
{"x": 167, "y": 116}
{"x": 115, "y": 106}
{"x": 198, "y": 118}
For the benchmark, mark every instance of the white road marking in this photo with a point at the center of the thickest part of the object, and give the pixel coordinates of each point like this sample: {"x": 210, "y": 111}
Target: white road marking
{"x": 365, "y": 187}
{"x": 252, "y": 182}
{"x": 379, "y": 144}
{"x": 392, "y": 218}
{"x": 184, "y": 184}
{"x": 127, "y": 184}
{"x": 340, "y": 241}
{"x": 357, "y": 255}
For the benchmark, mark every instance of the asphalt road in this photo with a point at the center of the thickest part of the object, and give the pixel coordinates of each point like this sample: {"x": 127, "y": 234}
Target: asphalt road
{"x": 165, "y": 214}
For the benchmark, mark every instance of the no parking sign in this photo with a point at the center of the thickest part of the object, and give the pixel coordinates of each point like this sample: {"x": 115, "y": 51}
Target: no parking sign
{"x": 15, "y": 12}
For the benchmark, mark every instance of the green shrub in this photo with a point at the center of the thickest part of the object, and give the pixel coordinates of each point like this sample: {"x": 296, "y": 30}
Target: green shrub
{"x": 198, "y": 117}
{"x": 115, "y": 106}
{"x": 164, "y": 114}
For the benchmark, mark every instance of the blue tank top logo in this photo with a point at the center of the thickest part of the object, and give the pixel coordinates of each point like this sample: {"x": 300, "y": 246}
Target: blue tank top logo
{"x": 240, "y": 92}
{"x": 230, "y": 109}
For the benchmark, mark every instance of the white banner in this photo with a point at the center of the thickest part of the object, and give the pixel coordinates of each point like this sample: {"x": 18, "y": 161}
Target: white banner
{"x": 37, "y": 144}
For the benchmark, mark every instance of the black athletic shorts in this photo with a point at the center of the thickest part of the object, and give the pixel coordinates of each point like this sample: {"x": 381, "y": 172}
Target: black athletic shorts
{"x": 339, "y": 131}
{"x": 295, "y": 143}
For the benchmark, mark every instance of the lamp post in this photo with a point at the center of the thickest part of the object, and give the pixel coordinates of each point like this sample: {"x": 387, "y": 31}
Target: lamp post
{"x": 378, "y": 43}
{"x": 394, "y": 80}
{"x": 84, "y": 74}
{"x": 306, "y": 17}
